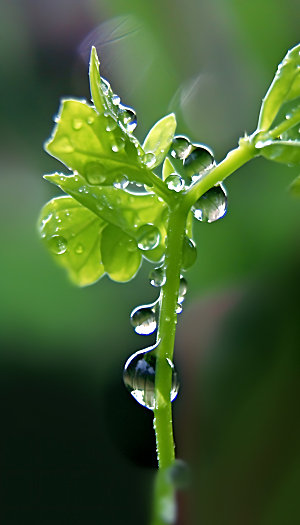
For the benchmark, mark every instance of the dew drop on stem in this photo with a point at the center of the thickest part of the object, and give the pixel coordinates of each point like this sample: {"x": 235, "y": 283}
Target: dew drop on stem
{"x": 198, "y": 162}
{"x": 139, "y": 377}
{"x": 189, "y": 253}
{"x": 143, "y": 319}
{"x": 175, "y": 182}
{"x": 148, "y": 237}
{"x": 212, "y": 205}
{"x": 157, "y": 277}
{"x": 182, "y": 290}
{"x": 149, "y": 159}
{"x": 181, "y": 147}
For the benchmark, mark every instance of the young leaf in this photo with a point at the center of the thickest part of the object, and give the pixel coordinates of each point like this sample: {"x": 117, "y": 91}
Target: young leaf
{"x": 167, "y": 169}
{"x": 285, "y": 87}
{"x": 72, "y": 234}
{"x": 286, "y": 152}
{"x": 159, "y": 138}
{"x": 81, "y": 140}
{"x": 120, "y": 255}
{"x": 95, "y": 83}
{"x": 295, "y": 187}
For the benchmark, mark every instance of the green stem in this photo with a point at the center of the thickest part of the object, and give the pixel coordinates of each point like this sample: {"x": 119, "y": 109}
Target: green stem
{"x": 285, "y": 125}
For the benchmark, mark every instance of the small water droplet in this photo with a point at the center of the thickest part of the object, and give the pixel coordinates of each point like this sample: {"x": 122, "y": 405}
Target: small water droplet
{"x": 178, "y": 308}
{"x": 149, "y": 159}
{"x": 118, "y": 145}
{"x": 77, "y": 123}
{"x": 198, "y": 161}
{"x": 57, "y": 244}
{"x": 157, "y": 277}
{"x": 95, "y": 173}
{"x": 189, "y": 253}
{"x": 116, "y": 99}
{"x": 90, "y": 120}
{"x": 182, "y": 290}
{"x": 139, "y": 377}
{"x": 181, "y": 147}
{"x": 143, "y": 319}
{"x": 121, "y": 182}
{"x": 110, "y": 123}
{"x": 63, "y": 144}
{"x": 175, "y": 182}
{"x": 148, "y": 237}
{"x": 212, "y": 205}
{"x": 79, "y": 249}
{"x": 127, "y": 117}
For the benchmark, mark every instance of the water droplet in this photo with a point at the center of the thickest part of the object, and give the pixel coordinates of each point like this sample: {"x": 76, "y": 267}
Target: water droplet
{"x": 127, "y": 116}
{"x": 90, "y": 120}
{"x": 157, "y": 277}
{"x": 105, "y": 85}
{"x": 198, "y": 161}
{"x": 57, "y": 244}
{"x": 189, "y": 253}
{"x": 178, "y": 308}
{"x": 77, "y": 123}
{"x": 121, "y": 182}
{"x": 148, "y": 237}
{"x": 110, "y": 123}
{"x": 179, "y": 474}
{"x": 181, "y": 147}
{"x": 79, "y": 249}
{"x": 182, "y": 290}
{"x": 94, "y": 173}
{"x": 212, "y": 205}
{"x": 149, "y": 159}
{"x": 143, "y": 319}
{"x": 118, "y": 145}
{"x": 175, "y": 182}
{"x": 116, "y": 99}
{"x": 63, "y": 144}
{"x": 139, "y": 377}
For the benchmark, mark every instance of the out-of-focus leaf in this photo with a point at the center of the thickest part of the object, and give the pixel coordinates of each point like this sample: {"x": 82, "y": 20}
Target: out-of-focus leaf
{"x": 120, "y": 255}
{"x": 167, "y": 168}
{"x": 127, "y": 211}
{"x": 94, "y": 145}
{"x": 286, "y": 152}
{"x": 295, "y": 187}
{"x": 72, "y": 234}
{"x": 159, "y": 138}
{"x": 285, "y": 87}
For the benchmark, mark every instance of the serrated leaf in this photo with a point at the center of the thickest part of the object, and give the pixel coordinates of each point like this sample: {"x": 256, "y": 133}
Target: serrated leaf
{"x": 167, "y": 169}
{"x": 285, "y": 87}
{"x": 159, "y": 138}
{"x": 285, "y": 152}
{"x": 81, "y": 140}
{"x": 72, "y": 234}
{"x": 295, "y": 187}
{"x": 120, "y": 255}
{"x": 120, "y": 208}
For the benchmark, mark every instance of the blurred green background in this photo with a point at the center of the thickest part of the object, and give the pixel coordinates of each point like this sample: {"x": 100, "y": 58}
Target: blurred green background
{"x": 75, "y": 447}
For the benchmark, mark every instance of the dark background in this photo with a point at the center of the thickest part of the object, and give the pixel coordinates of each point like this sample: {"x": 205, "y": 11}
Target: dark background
{"x": 75, "y": 447}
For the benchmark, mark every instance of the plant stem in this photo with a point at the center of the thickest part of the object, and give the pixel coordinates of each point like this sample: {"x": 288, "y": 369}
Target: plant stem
{"x": 285, "y": 125}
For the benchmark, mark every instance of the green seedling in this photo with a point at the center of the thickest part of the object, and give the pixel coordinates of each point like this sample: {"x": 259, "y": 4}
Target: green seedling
{"x": 127, "y": 201}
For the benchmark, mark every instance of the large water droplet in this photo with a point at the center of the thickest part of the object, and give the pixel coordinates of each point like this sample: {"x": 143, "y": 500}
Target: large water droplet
{"x": 175, "y": 182}
{"x": 143, "y": 319}
{"x": 212, "y": 205}
{"x": 57, "y": 244}
{"x": 182, "y": 290}
{"x": 121, "y": 182}
{"x": 189, "y": 253}
{"x": 148, "y": 237}
{"x": 95, "y": 173}
{"x": 181, "y": 147}
{"x": 139, "y": 377}
{"x": 127, "y": 116}
{"x": 198, "y": 161}
{"x": 149, "y": 159}
{"x": 157, "y": 277}
{"x": 77, "y": 123}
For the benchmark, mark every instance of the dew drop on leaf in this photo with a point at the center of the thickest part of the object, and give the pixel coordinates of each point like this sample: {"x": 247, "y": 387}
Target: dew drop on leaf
{"x": 198, "y": 161}
{"x": 181, "y": 147}
{"x": 178, "y": 308}
{"x": 148, "y": 237}
{"x": 157, "y": 277}
{"x": 118, "y": 145}
{"x": 116, "y": 100}
{"x": 127, "y": 117}
{"x": 175, "y": 182}
{"x": 57, "y": 244}
{"x": 111, "y": 124}
{"x": 121, "y": 182}
{"x": 77, "y": 123}
{"x": 139, "y": 377}
{"x": 182, "y": 290}
{"x": 95, "y": 173}
{"x": 63, "y": 144}
{"x": 212, "y": 205}
{"x": 143, "y": 319}
{"x": 149, "y": 159}
{"x": 79, "y": 249}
